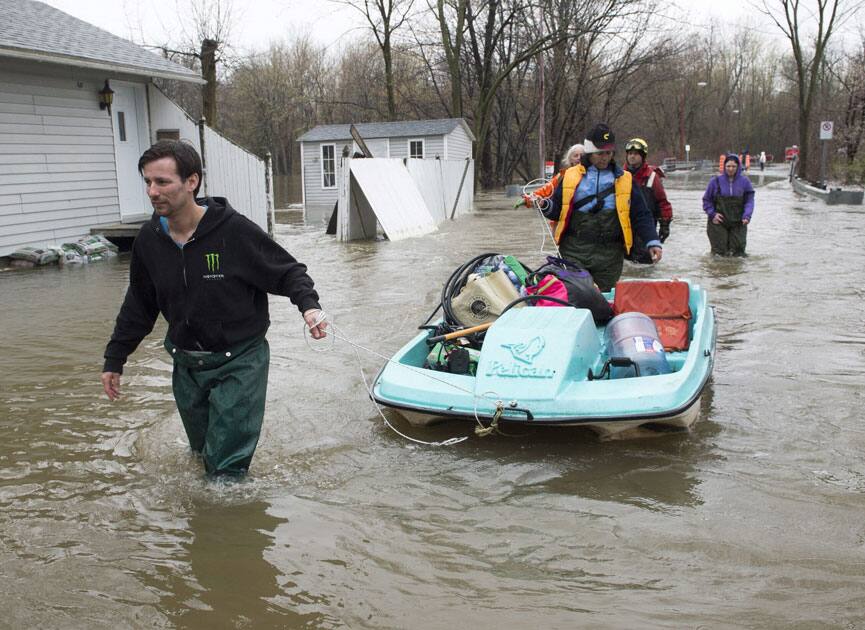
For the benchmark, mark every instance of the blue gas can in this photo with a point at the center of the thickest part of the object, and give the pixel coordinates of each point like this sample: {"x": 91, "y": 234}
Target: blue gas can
{"x": 634, "y": 336}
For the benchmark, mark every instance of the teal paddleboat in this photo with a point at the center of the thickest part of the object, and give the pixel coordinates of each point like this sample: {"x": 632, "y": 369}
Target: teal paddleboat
{"x": 558, "y": 366}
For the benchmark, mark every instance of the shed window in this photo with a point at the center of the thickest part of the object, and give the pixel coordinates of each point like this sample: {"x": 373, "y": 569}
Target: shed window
{"x": 328, "y": 166}
{"x": 415, "y": 149}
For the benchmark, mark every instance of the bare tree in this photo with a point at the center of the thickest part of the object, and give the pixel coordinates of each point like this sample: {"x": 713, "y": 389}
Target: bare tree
{"x": 204, "y": 44}
{"x": 851, "y": 81}
{"x": 793, "y": 17}
{"x": 452, "y": 39}
{"x": 384, "y": 18}
{"x": 270, "y": 98}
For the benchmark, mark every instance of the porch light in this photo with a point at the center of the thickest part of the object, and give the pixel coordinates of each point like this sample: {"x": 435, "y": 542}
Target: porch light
{"x": 106, "y": 97}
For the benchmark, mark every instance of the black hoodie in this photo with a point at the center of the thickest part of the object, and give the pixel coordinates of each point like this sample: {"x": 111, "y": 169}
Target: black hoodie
{"x": 212, "y": 291}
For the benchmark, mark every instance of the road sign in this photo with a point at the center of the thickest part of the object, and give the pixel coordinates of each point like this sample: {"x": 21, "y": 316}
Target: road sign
{"x": 826, "y": 130}
{"x": 549, "y": 168}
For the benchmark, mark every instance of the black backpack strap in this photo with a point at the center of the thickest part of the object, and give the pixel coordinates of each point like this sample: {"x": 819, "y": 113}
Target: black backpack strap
{"x": 598, "y": 199}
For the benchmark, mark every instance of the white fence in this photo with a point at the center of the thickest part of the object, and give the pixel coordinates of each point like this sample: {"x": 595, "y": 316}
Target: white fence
{"x": 380, "y": 190}
{"x": 232, "y": 172}
{"x": 439, "y": 183}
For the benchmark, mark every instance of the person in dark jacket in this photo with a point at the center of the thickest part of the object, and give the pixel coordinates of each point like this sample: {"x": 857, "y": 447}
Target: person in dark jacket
{"x": 208, "y": 270}
{"x": 729, "y": 204}
{"x": 648, "y": 179}
{"x": 597, "y": 210}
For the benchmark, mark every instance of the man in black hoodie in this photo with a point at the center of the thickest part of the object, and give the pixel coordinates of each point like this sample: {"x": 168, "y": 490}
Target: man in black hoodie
{"x": 208, "y": 270}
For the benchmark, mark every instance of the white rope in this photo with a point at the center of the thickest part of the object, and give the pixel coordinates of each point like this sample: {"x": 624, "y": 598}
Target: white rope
{"x": 542, "y": 204}
{"x": 336, "y": 334}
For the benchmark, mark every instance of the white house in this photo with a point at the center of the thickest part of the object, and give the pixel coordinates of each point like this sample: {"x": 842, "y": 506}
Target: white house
{"x": 322, "y": 147}
{"x": 69, "y": 164}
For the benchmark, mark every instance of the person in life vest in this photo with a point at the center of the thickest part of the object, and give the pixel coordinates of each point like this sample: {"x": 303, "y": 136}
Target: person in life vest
{"x": 597, "y": 211}
{"x": 648, "y": 179}
{"x": 729, "y": 204}
{"x": 572, "y": 158}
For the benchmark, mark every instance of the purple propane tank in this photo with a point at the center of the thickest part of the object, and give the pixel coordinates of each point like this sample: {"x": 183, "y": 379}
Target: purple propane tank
{"x": 634, "y": 336}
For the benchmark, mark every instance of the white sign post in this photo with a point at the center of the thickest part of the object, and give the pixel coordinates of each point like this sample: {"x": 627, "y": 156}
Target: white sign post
{"x": 825, "y": 135}
{"x": 688, "y": 153}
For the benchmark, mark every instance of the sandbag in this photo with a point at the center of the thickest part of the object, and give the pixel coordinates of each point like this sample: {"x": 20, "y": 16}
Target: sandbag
{"x": 582, "y": 291}
{"x": 36, "y": 255}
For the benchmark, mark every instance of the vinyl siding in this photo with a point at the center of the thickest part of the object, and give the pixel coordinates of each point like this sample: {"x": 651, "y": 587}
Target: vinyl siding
{"x": 57, "y": 172}
{"x": 432, "y": 146}
{"x": 459, "y": 145}
{"x": 317, "y": 197}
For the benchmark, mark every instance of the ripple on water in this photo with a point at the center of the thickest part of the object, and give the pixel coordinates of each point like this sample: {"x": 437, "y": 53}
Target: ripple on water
{"x": 342, "y": 523}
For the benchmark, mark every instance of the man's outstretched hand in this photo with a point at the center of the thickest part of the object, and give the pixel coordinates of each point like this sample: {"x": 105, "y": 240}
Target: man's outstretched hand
{"x": 111, "y": 385}
{"x": 315, "y": 323}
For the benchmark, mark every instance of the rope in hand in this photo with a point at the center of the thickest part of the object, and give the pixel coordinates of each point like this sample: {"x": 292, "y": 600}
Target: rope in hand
{"x": 542, "y": 204}
{"x": 335, "y": 334}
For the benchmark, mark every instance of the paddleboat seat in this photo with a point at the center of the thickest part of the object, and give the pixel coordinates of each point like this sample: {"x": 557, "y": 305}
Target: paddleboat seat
{"x": 665, "y": 301}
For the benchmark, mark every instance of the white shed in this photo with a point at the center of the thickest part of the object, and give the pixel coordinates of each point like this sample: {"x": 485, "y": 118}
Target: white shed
{"x": 67, "y": 164}
{"x": 322, "y": 147}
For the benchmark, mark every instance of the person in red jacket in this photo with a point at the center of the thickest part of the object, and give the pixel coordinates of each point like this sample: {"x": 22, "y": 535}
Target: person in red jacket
{"x": 648, "y": 178}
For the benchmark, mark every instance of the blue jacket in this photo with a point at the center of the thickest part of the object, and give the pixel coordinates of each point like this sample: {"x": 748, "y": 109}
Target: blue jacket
{"x": 642, "y": 220}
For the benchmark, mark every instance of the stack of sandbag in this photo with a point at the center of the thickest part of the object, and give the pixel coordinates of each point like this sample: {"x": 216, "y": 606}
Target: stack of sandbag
{"x": 33, "y": 256}
{"x": 86, "y": 249}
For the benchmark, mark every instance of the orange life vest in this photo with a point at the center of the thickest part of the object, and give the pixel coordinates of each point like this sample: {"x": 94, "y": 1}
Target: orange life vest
{"x": 622, "y": 190}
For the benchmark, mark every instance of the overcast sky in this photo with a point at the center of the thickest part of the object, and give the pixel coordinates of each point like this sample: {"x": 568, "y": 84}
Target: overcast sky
{"x": 258, "y": 22}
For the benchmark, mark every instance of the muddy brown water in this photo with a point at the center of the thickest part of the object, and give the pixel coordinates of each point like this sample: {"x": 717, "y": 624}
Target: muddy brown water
{"x": 752, "y": 520}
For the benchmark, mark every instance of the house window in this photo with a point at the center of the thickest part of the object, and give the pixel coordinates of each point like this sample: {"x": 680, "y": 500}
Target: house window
{"x": 415, "y": 149}
{"x": 328, "y": 166}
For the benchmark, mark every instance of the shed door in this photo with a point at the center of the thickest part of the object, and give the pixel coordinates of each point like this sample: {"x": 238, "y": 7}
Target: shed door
{"x": 129, "y": 119}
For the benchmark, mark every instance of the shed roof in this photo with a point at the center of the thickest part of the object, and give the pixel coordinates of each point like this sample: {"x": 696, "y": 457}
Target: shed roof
{"x": 33, "y": 30}
{"x": 397, "y": 129}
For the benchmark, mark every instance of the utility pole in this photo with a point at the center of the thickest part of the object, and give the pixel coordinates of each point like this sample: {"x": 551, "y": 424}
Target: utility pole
{"x": 542, "y": 149}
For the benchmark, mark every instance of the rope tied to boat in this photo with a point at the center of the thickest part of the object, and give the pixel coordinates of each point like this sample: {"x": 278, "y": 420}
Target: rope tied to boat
{"x": 481, "y": 430}
{"x": 335, "y": 334}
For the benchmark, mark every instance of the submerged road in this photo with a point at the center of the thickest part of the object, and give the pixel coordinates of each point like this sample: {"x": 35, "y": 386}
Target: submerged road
{"x": 752, "y": 520}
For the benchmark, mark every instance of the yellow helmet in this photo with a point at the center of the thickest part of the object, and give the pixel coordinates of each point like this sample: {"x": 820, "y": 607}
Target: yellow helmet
{"x": 637, "y": 144}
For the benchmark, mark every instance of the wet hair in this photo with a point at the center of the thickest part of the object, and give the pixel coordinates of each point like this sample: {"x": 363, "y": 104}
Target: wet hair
{"x": 185, "y": 157}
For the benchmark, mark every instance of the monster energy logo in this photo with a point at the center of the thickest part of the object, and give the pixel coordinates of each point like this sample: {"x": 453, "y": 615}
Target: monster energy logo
{"x": 212, "y": 262}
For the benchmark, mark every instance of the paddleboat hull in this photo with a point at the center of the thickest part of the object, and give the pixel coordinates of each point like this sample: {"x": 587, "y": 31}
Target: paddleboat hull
{"x": 540, "y": 366}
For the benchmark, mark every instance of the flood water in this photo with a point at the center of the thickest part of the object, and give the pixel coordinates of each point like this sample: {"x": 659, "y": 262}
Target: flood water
{"x": 752, "y": 520}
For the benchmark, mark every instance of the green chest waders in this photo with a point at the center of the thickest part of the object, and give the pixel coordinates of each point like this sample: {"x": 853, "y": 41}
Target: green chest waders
{"x": 220, "y": 397}
{"x": 729, "y": 237}
{"x": 595, "y": 242}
